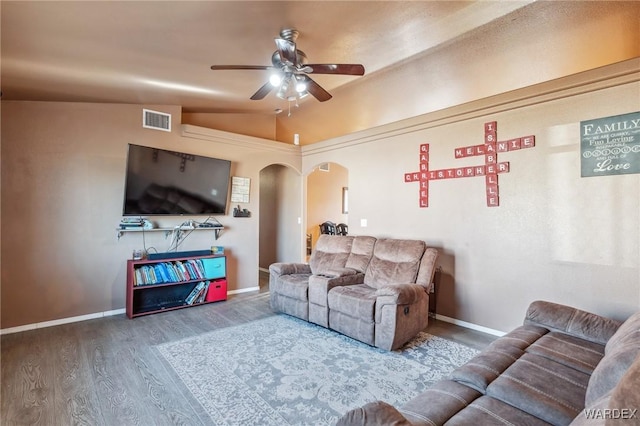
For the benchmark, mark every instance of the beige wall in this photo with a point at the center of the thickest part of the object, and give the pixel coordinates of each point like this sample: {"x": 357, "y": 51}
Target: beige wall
{"x": 555, "y": 235}
{"x": 257, "y": 125}
{"x": 63, "y": 169}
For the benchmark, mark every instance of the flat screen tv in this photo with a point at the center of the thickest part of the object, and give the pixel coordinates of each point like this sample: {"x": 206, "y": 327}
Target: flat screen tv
{"x": 161, "y": 182}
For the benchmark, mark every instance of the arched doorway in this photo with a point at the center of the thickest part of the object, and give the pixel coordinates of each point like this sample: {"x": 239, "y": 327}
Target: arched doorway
{"x": 327, "y": 194}
{"x": 280, "y": 235}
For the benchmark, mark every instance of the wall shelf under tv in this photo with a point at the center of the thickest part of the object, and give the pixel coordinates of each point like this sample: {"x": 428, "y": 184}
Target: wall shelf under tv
{"x": 169, "y": 231}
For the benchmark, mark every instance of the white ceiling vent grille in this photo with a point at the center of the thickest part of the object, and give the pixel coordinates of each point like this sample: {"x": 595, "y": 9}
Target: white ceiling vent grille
{"x": 324, "y": 167}
{"x": 156, "y": 120}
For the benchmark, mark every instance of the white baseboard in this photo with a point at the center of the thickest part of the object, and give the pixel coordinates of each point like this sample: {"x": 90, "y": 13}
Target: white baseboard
{"x": 79, "y": 318}
{"x": 470, "y": 325}
{"x": 244, "y": 290}
{"x": 61, "y": 321}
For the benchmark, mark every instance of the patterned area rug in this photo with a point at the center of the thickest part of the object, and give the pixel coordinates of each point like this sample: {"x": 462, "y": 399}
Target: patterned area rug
{"x": 281, "y": 370}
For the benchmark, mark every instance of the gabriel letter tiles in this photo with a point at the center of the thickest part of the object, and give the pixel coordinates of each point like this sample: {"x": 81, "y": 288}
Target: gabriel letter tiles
{"x": 489, "y": 170}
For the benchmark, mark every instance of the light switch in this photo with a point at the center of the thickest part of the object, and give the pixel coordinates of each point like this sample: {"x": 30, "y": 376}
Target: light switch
{"x": 363, "y": 223}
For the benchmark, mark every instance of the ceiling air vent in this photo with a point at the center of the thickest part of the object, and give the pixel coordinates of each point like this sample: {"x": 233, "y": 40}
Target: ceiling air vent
{"x": 156, "y": 120}
{"x": 324, "y": 167}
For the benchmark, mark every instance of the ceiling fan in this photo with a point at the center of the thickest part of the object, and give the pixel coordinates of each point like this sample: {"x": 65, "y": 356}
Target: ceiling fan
{"x": 290, "y": 71}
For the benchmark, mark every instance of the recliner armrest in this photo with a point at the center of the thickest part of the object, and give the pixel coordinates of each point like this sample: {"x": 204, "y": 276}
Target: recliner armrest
{"x": 324, "y": 283}
{"x": 289, "y": 268}
{"x": 575, "y": 322}
{"x": 401, "y": 294}
{"x": 339, "y": 272}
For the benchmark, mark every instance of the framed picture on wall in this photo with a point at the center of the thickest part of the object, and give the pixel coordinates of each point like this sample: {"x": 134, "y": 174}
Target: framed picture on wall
{"x": 345, "y": 200}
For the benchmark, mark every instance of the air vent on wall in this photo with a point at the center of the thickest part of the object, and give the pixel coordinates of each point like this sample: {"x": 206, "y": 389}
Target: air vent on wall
{"x": 156, "y": 120}
{"x": 324, "y": 167}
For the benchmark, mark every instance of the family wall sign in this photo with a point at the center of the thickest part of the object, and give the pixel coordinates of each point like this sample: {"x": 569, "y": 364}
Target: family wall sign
{"x": 489, "y": 170}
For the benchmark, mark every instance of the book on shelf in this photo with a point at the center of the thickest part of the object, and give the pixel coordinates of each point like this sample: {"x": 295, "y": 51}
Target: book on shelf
{"x": 170, "y": 272}
{"x": 203, "y": 293}
{"x": 191, "y": 298}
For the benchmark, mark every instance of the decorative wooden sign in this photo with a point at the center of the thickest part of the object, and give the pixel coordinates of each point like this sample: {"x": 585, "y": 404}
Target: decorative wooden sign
{"x": 611, "y": 145}
{"x": 490, "y": 169}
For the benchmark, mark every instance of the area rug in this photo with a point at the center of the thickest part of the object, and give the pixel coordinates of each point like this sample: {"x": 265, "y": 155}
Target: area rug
{"x": 283, "y": 371}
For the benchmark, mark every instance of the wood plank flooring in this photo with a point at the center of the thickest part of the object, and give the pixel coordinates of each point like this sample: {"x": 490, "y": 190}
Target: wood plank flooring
{"x": 107, "y": 372}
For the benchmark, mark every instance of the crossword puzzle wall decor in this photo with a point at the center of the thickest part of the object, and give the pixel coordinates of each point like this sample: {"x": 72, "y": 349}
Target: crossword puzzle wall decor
{"x": 490, "y": 169}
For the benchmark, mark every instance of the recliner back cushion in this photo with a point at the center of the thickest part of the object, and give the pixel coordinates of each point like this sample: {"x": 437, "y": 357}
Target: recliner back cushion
{"x": 361, "y": 252}
{"x": 394, "y": 262}
{"x": 331, "y": 253}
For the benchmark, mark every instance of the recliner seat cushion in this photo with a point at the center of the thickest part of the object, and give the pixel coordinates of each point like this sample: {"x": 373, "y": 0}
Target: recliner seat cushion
{"x": 292, "y": 285}
{"x": 357, "y": 301}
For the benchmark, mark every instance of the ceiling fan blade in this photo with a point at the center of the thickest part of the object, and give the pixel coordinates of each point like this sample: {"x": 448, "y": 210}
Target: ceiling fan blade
{"x": 316, "y": 90}
{"x": 287, "y": 50}
{"x": 348, "y": 69}
{"x": 262, "y": 92}
{"x": 240, "y": 67}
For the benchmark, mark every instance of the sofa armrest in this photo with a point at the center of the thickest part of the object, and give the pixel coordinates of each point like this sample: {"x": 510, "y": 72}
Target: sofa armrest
{"x": 572, "y": 321}
{"x": 401, "y": 294}
{"x": 373, "y": 414}
{"x": 289, "y": 268}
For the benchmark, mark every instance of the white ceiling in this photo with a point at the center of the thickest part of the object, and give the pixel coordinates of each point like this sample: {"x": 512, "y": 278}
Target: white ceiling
{"x": 160, "y": 52}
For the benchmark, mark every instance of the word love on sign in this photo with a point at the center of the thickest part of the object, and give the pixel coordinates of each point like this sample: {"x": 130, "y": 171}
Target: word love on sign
{"x": 489, "y": 170}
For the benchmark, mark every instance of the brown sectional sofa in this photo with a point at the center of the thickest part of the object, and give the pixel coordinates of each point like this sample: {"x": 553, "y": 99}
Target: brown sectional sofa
{"x": 562, "y": 366}
{"x": 373, "y": 290}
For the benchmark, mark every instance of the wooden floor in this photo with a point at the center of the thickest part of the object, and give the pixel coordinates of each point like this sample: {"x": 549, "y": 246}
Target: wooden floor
{"x": 106, "y": 371}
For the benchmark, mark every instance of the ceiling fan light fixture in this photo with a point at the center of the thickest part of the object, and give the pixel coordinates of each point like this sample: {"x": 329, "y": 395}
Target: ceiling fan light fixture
{"x": 301, "y": 86}
{"x": 275, "y": 79}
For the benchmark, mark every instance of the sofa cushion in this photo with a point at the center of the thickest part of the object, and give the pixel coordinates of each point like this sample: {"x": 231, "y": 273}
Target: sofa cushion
{"x": 569, "y": 350}
{"x": 627, "y": 332}
{"x": 487, "y": 411}
{"x": 611, "y": 369}
{"x": 521, "y": 338}
{"x": 625, "y": 395}
{"x": 394, "y": 262}
{"x": 620, "y": 352}
{"x": 543, "y": 388}
{"x": 439, "y": 403}
{"x": 330, "y": 253}
{"x": 557, "y": 317}
{"x": 377, "y": 412}
{"x": 483, "y": 369}
{"x": 593, "y": 415}
{"x": 623, "y": 400}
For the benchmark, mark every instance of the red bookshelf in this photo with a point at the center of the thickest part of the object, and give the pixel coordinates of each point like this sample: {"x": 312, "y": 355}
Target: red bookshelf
{"x": 162, "y": 285}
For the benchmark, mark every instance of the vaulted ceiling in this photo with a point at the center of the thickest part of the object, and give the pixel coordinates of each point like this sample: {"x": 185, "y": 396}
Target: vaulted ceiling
{"x": 160, "y": 52}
